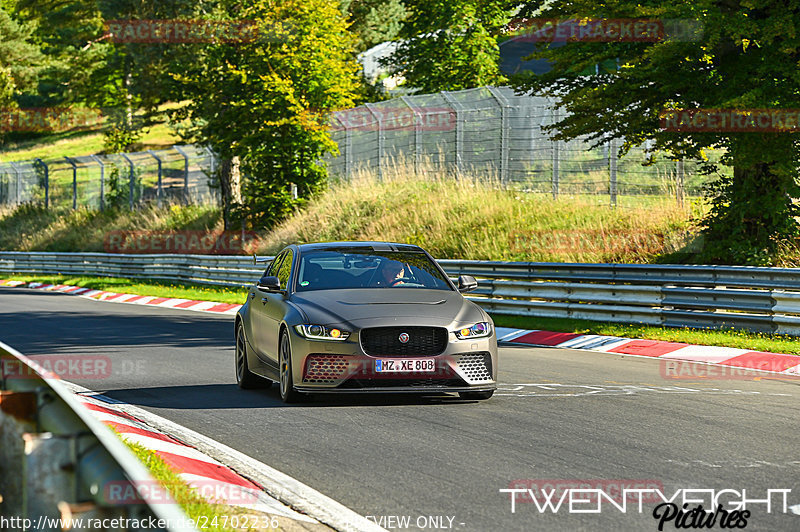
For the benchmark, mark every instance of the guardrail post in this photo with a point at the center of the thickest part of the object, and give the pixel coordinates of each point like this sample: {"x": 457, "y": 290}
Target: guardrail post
{"x": 377, "y": 117}
{"x": 504, "y": 133}
{"x": 459, "y": 129}
{"x": 612, "y": 171}
{"x": 185, "y": 173}
{"x": 159, "y": 192}
{"x": 48, "y": 474}
{"x": 17, "y": 410}
{"x": 348, "y": 148}
{"x": 18, "y": 180}
{"x": 417, "y": 133}
{"x": 46, "y": 182}
{"x": 130, "y": 179}
{"x": 556, "y": 156}
{"x": 74, "y": 182}
{"x": 102, "y": 180}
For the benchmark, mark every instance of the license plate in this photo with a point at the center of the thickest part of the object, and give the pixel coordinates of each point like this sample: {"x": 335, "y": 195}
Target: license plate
{"x": 403, "y": 365}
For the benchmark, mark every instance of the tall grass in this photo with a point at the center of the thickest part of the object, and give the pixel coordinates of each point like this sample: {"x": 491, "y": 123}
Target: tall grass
{"x": 471, "y": 217}
{"x": 32, "y": 228}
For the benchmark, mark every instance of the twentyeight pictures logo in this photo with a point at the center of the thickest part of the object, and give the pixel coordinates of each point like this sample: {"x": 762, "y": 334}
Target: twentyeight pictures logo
{"x": 680, "y": 508}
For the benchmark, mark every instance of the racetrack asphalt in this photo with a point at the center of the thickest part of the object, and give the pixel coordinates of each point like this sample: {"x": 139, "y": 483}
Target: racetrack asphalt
{"x": 567, "y": 415}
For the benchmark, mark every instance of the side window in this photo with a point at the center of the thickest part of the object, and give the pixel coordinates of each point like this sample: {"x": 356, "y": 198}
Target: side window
{"x": 274, "y": 265}
{"x": 285, "y": 269}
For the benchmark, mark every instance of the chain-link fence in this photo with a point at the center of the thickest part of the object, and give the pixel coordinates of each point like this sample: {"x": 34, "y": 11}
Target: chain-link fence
{"x": 181, "y": 174}
{"x": 487, "y": 131}
{"x": 493, "y": 131}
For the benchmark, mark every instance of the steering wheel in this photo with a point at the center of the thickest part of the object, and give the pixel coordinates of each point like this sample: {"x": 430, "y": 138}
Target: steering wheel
{"x": 400, "y": 280}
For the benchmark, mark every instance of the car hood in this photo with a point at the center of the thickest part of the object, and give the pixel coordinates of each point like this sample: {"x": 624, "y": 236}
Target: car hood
{"x": 374, "y": 307}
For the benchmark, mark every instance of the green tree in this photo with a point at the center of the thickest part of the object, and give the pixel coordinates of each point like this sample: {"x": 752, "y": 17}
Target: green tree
{"x": 374, "y": 21}
{"x": 745, "y": 57}
{"x": 20, "y": 59}
{"x": 266, "y": 102}
{"x": 451, "y": 44}
{"x": 67, "y": 33}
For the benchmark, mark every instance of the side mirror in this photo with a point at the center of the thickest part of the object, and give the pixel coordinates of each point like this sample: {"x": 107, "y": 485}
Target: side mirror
{"x": 269, "y": 283}
{"x": 466, "y": 283}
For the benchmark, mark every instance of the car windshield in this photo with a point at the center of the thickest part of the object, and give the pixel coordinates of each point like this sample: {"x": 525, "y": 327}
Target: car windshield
{"x": 365, "y": 268}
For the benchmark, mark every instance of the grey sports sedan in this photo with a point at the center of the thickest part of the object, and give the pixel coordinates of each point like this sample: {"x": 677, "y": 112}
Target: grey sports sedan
{"x": 345, "y": 317}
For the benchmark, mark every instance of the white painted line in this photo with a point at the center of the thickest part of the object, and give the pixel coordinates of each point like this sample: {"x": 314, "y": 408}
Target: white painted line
{"x": 704, "y": 353}
{"x": 281, "y": 486}
{"x": 245, "y": 497}
{"x": 505, "y": 334}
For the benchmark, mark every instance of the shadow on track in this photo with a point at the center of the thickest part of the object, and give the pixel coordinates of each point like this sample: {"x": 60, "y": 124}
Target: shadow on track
{"x": 229, "y": 396}
{"x": 75, "y": 323}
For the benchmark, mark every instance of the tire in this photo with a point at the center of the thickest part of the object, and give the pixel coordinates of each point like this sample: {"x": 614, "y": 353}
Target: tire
{"x": 246, "y": 379}
{"x": 288, "y": 393}
{"x": 476, "y": 396}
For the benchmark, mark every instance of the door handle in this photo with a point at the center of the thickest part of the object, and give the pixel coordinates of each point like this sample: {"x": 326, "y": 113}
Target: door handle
{"x": 264, "y": 300}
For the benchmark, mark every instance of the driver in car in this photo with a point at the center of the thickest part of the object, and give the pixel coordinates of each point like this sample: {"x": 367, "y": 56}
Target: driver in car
{"x": 391, "y": 273}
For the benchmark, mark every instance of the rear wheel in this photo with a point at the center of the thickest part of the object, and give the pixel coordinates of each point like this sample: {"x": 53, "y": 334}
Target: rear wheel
{"x": 246, "y": 379}
{"x": 476, "y": 396}
{"x": 288, "y": 393}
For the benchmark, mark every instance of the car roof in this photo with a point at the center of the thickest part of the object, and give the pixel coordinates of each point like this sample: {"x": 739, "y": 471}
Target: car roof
{"x": 376, "y": 246}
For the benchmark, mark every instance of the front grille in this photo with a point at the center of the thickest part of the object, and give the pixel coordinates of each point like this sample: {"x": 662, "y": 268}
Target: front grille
{"x": 476, "y": 367}
{"x": 325, "y": 369}
{"x": 423, "y": 341}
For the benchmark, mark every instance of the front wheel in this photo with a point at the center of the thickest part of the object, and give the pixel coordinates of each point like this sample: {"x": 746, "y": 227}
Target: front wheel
{"x": 288, "y": 393}
{"x": 246, "y": 379}
{"x": 476, "y": 396}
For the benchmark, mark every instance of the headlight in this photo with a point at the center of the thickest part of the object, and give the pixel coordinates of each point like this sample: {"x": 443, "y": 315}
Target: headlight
{"x": 320, "y": 332}
{"x": 479, "y": 330}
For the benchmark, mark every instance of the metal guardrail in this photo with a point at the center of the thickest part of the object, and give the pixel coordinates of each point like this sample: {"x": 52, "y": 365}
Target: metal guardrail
{"x": 60, "y": 464}
{"x": 758, "y": 299}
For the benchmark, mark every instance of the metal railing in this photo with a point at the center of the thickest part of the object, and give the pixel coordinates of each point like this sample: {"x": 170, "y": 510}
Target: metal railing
{"x": 181, "y": 174}
{"x": 757, "y": 299}
{"x": 59, "y": 463}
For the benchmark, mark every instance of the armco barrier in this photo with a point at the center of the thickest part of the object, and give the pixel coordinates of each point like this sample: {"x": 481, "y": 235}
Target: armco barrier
{"x": 56, "y": 460}
{"x": 759, "y": 299}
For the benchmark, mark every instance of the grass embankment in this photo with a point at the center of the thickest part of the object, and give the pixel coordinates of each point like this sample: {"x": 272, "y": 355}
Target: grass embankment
{"x": 88, "y": 140}
{"x": 475, "y": 219}
{"x": 31, "y": 228}
{"x": 465, "y": 218}
{"x": 206, "y": 515}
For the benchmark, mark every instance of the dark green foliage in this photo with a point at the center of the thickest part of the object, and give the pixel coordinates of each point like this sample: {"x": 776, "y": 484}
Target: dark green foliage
{"x": 744, "y": 57}
{"x": 451, "y": 44}
{"x": 374, "y": 21}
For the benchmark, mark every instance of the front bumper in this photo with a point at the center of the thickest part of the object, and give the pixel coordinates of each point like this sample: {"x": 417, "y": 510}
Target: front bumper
{"x": 343, "y": 366}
